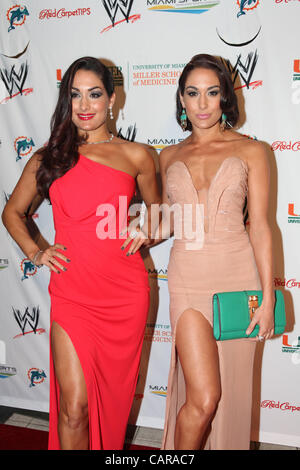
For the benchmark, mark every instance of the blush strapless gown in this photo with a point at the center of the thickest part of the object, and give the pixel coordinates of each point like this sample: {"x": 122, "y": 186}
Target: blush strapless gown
{"x": 223, "y": 262}
{"x": 102, "y": 300}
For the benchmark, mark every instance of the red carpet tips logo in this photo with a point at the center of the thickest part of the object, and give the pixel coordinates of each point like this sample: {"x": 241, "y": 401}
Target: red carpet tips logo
{"x": 271, "y": 404}
{"x": 63, "y": 13}
{"x": 282, "y": 145}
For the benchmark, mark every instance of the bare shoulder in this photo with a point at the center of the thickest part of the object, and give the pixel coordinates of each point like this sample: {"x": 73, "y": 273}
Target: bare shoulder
{"x": 34, "y": 162}
{"x": 252, "y": 151}
{"x": 255, "y": 154}
{"x": 166, "y": 155}
{"x": 137, "y": 153}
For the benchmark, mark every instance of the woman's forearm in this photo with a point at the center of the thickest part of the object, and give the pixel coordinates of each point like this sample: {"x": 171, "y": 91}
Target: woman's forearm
{"x": 156, "y": 225}
{"x": 16, "y": 226}
{"x": 164, "y": 226}
{"x": 163, "y": 232}
{"x": 261, "y": 241}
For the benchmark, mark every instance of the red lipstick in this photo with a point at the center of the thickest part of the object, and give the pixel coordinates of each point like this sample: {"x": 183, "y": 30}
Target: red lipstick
{"x": 85, "y": 117}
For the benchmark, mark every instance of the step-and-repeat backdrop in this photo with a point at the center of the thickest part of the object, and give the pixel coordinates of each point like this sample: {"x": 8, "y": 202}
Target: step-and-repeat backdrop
{"x": 146, "y": 43}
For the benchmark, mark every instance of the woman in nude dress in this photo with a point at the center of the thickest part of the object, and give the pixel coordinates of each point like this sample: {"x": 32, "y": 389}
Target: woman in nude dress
{"x": 209, "y": 396}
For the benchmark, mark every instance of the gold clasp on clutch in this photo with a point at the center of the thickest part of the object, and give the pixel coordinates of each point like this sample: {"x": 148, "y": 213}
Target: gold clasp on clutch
{"x": 252, "y": 304}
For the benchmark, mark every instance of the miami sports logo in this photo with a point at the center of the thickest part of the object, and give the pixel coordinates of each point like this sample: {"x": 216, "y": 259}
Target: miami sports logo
{"x": 36, "y": 376}
{"x": 246, "y": 5}
{"x": 16, "y": 16}
{"x": 23, "y": 146}
{"x": 193, "y": 7}
{"x": 28, "y": 268}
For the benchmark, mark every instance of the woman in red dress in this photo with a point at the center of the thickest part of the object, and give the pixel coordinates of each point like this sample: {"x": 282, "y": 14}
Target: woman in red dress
{"x": 99, "y": 286}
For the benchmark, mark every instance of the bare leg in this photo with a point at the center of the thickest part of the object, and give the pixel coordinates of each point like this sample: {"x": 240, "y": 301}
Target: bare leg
{"x": 198, "y": 355}
{"x": 73, "y": 423}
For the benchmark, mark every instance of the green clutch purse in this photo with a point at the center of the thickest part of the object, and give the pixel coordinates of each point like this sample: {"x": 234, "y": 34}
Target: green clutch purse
{"x": 233, "y": 311}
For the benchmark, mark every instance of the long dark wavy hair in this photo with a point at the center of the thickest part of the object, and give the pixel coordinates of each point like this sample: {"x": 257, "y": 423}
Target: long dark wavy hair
{"x": 61, "y": 152}
{"x": 229, "y": 105}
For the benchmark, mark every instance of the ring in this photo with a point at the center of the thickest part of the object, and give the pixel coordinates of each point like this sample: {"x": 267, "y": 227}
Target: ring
{"x": 260, "y": 338}
{"x": 133, "y": 234}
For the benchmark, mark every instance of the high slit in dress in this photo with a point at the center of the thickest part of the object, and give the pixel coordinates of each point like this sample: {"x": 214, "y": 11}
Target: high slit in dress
{"x": 102, "y": 300}
{"x": 222, "y": 260}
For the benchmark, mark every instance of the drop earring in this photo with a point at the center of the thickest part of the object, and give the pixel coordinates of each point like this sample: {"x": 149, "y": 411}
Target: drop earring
{"x": 183, "y": 119}
{"x": 223, "y": 123}
{"x": 111, "y": 113}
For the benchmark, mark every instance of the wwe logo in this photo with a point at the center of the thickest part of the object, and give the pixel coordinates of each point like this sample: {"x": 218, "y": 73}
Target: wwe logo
{"x": 112, "y": 7}
{"x": 14, "y": 79}
{"x": 6, "y": 196}
{"x": 245, "y": 70}
{"x": 130, "y": 134}
{"x": 30, "y": 318}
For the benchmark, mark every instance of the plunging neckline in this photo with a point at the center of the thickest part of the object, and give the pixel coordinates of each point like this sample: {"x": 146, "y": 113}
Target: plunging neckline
{"x": 215, "y": 175}
{"x": 208, "y": 190}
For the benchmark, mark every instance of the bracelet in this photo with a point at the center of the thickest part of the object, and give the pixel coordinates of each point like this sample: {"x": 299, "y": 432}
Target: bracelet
{"x": 34, "y": 258}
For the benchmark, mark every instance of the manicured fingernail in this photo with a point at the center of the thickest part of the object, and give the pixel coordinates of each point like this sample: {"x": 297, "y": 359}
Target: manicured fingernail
{"x": 122, "y": 247}
{"x": 68, "y": 260}
{"x": 65, "y": 269}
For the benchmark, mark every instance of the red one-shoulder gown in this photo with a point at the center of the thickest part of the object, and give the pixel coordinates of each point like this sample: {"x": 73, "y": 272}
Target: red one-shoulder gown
{"x": 102, "y": 300}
